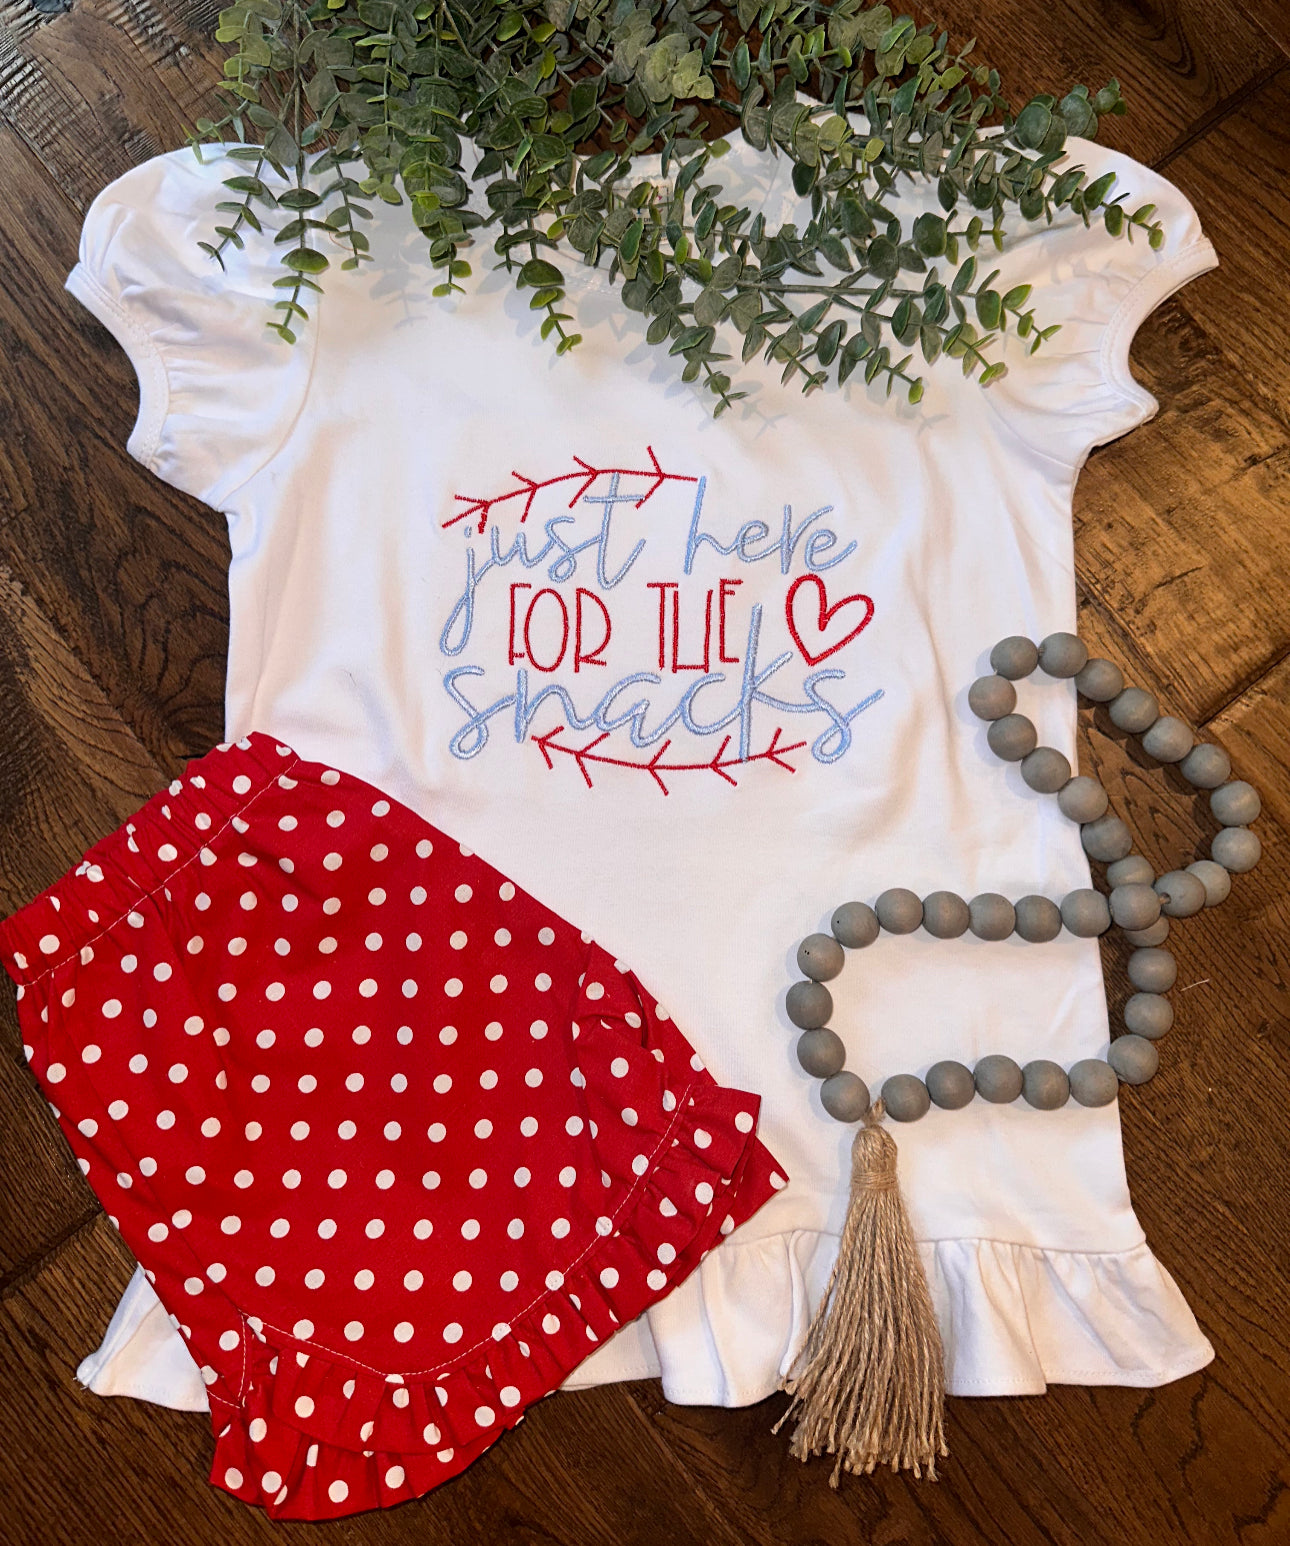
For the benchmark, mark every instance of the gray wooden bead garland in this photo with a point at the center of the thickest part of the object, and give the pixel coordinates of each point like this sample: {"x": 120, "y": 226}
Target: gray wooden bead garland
{"x": 1139, "y": 903}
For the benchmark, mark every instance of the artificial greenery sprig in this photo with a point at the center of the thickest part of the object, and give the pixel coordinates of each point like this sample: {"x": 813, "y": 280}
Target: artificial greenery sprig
{"x": 559, "y": 95}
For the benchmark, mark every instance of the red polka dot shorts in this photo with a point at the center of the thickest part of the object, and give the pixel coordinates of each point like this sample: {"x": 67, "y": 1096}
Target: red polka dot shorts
{"x": 396, "y": 1145}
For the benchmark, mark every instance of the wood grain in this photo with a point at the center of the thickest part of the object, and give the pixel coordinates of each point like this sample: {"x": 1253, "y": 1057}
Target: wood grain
{"x": 113, "y": 631}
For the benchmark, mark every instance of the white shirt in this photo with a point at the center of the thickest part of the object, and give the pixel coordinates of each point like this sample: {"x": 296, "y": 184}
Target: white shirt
{"x": 693, "y": 682}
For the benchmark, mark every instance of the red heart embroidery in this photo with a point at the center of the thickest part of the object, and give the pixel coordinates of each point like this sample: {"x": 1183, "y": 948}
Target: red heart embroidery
{"x": 826, "y": 613}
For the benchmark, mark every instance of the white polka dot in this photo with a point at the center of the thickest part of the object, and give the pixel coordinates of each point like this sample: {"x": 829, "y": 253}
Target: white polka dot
{"x": 233, "y": 1477}
{"x": 367, "y": 988}
{"x": 401, "y": 1397}
{"x": 257, "y": 1429}
{"x": 533, "y": 1078}
{"x": 398, "y": 1083}
{"x": 270, "y": 1481}
{"x": 315, "y": 1277}
{"x": 703, "y": 1193}
{"x": 413, "y": 942}
{"x": 744, "y": 1121}
{"x": 478, "y": 1179}
{"x": 395, "y": 1475}
{"x": 666, "y": 1253}
{"x": 560, "y": 1228}
{"x": 194, "y": 1175}
{"x": 609, "y": 1277}
{"x": 485, "y": 1416}
{"x": 138, "y": 1063}
{"x": 217, "y": 1272}
{"x": 777, "y": 1181}
{"x": 424, "y": 848}
{"x": 452, "y": 1332}
{"x": 49, "y": 943}
{"x": 244, "y": 1178}
{"x": 331, "y": 777}
{"x": 265, "y": 1039}
{"x": 376, "y": 896}
{"x": 550, "y": 1324}
{"x": 230, "y": 1224}
{"x": 656, "y": 1279}
{"x": 193, "y": 1285}
{"x": 574, "y": 1126}
{"x": 568, "y": 1176}
{"x": 165, "y": 1119}
{"x": 373, "y": 942}
{"x": 413, "y": 1280}
{"x": 89, "y": 1127}
{"x": 326, "y": 1228}
{"x": 260, "y": 1083}
{"x": 629, "y": 1116}
{"x": 304, "y": 1406}
{"x": 124, "y": 1180}
{"x": 336, "y": 1179}
{"x": 157, "y": 1232}
{"x": 335, "y": 818}
{"x": 554, "y": 1280}
{"x": 306, "y": 1084}
{"x": 409, "y": 988}
{"x": 523, "y": 1176}
{"x": 332, "y": 861}
{"x": 280, "y": 1228}
{"x": 364, "y": 1279}
{"x": 436, "y": 1132}
{"x": 702, "y": 1138}
{"x": 423, "y": 1228}
{"x": 119, "y": 1109}
{"x": 162, "y": 971}
{"x": 430, "y": 1180}
{"x": 56, "y": 1073}
{"x": 111, "y": 1008}
{"x": 381, "y": 808}
{"x": 385, "y": 1179}
{"x": 594, "y": 990}
{"x": 353, "y": 1330}
{"x": 91, "y": 1053}
{"x": 442, "y": 1084}
{"x": 542, "y": 982}
{"x": 546, "y": 936}
{"x": 461, "y": 1281}
{"x": 354, "y": 1083}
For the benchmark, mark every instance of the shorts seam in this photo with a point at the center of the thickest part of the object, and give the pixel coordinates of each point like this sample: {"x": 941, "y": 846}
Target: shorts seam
{"x": 144, "y": 896}
{"x": 629, "y": 1198}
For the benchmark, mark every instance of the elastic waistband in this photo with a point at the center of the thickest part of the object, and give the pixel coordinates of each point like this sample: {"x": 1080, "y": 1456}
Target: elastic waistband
{"x": 141, "y": 856}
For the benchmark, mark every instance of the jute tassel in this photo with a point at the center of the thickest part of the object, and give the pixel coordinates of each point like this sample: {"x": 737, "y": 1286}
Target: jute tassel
{"x": 869, "y": 1385}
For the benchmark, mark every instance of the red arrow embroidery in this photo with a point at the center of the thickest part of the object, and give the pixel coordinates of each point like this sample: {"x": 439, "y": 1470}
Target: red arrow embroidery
{"x": 584, "y": 476}
{"x": 656, "y": 766}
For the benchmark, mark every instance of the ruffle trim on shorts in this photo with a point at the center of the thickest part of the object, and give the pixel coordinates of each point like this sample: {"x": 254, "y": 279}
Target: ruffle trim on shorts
{"x": 320, "y": 1436}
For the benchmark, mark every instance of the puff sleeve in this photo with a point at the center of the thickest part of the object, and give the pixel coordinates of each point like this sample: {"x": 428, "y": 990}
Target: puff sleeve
{"x": 219, "y": 392}
{"x": 1076, "y": 391}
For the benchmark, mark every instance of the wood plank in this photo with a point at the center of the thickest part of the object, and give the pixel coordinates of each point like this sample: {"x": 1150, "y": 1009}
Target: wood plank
{"x": 1255, "y": 728}
{"x": 1236, "y": 176}
{"x": 1181, "y": 526}
{"x": 129, "y": 572}
{"x": 1176, "y": 60}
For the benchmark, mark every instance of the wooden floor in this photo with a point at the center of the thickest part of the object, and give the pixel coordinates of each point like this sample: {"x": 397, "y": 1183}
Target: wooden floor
{"x": 112, "y": 638}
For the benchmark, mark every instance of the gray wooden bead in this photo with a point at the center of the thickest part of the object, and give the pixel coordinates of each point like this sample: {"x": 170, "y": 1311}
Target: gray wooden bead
{"x": 1063, "y": 654}
{"x": 1085, "y": 913}
{"x": 845, "y": 1096}
{"x": 950, "y": 1085}
{"x": 945, "y": 915}
{"x": 855, "y": 925}
{"x": 899, "y": 911}
{"x": 1134, "y": 710}
{"x": 1149, "y": 1015}
{"x": 997, "y": 1078}
{"x": 991, "y": 916}
{"x": 1133, "y": 1058}
{"x": 1215, "y": 879}
{"x": 1236, "y": 849}
{"x": 1014, "y": 657}
{"x": 1045, "y": 770}
{"x": 808, "y": 1004}
{"x": 821, "y": 1052}
{"x": 1132, "y": 870}
{"x": 905, "y": 1097}
{"x": 1168, "y": 740}
{"x": 991, "y": 697}
{"x": 1134, "y": 907}
{"x": 1037, "y": 919}
{"x": 1153, "y": 971}
{"x": 1083, "y": 799}
{"x": 1157, "y": 934}
{"x": 1100, "y": 681}
{"x": 1106, "y": 838}
{"x": 1044, "y": 1085}
{"x": 1236, "y": 804}
{"x": 1181, "y": 895}
{"x": 1205, "y": 766}
{"x": 820, "y": 957}
{"x": 1012, "y": 737}
{"x": 1093, "y": 1082}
